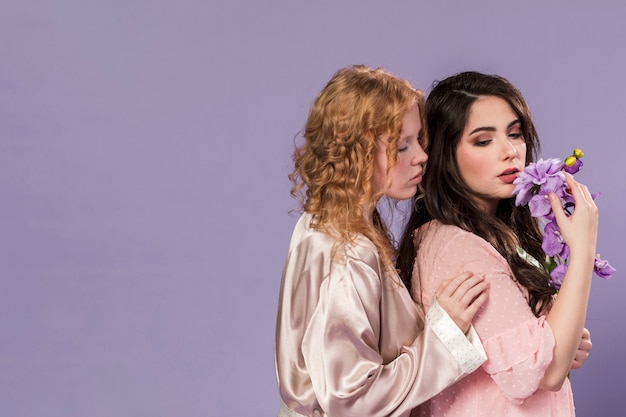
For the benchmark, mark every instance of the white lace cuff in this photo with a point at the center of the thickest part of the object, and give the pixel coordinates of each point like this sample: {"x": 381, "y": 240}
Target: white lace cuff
{"x": 467, "y": 349}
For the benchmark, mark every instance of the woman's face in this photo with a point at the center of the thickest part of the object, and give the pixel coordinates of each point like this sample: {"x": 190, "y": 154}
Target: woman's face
{"x": 407, "y": 173}
{"x": 492, "y": 151}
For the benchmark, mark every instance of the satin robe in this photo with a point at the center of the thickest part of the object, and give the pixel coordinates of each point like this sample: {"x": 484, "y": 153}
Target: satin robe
{"x": 350, "y": 341}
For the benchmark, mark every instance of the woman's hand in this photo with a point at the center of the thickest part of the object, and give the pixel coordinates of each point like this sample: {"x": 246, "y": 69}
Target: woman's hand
{"x": 462, "y": 297}
{"x": 583, "y": 350}
{"x": 580, "y": 230}
{"x": 568, "y": 313}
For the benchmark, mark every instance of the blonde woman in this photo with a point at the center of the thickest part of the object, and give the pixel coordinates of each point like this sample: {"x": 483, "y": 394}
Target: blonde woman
{"x": 349, "y": 338}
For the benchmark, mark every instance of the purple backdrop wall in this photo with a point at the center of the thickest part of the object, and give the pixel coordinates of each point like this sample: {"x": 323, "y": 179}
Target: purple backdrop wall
{"x": 144, "y": 148}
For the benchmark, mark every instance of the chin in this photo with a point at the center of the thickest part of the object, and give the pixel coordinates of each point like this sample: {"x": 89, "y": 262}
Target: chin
{"x": 407, "y": 196}
{"x": 401, "y": 196}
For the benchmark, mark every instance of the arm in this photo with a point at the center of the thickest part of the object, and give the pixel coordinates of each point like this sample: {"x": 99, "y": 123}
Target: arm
{"x": 341, "y": 349}
{"x": 567, "y": 316}
{"x": 518, "y": 344}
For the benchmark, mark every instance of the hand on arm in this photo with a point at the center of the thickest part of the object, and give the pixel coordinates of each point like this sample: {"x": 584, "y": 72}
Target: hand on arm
{"x": 461, "y": 297}
{"x": 567, "y": 316}
{"x": 584, "y": 348}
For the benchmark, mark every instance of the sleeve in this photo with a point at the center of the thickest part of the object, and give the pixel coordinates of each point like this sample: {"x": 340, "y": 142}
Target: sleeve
{"x": 341, "y": 351}
{"x": 519, "y": 346}
{"x": 466, "y": 349}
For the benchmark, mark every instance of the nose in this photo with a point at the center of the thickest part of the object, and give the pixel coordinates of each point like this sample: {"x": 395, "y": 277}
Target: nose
{"x": 510, "y": 150}
{"x": 420, "y": 156}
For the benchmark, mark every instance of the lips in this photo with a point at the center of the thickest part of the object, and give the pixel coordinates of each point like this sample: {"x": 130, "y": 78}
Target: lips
{"x": 417, "y": 178}
{"x": 509, "y": 175}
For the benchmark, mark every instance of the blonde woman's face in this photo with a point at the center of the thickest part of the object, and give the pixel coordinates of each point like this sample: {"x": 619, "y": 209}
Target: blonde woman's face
{"x": 402, "y": 181}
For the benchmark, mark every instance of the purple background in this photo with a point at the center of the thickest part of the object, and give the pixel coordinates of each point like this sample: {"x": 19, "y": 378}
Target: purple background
{"x": 144, "y": 149}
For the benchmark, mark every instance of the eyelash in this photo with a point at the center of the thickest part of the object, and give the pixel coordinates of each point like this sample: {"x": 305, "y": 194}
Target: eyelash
{"x": 486, "y": 142}
{"x": 406, "y": 147}
{"x": 419, "y": 139}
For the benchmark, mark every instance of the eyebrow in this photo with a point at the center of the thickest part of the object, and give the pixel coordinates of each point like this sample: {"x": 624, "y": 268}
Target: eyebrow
{"x": 493, "y": 129}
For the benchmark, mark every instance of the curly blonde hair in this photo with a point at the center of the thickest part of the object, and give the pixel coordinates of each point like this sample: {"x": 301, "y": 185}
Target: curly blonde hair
{"x": 335, "y": 164}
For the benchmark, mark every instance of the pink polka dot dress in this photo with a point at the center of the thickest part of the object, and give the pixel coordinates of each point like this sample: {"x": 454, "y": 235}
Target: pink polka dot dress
{"x": 519, "y": 346}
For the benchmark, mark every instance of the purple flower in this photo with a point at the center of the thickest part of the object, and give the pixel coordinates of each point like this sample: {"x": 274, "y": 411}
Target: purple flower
{"x": 603, "y": 269}
{"x": 539, "y": 206}
{"x": 543, "y": 177}
{"x": 578, "y": 164}
{"x": 531, "y": 188}
{"x": 553, "y": 244}
{"x": 557, "y": 275}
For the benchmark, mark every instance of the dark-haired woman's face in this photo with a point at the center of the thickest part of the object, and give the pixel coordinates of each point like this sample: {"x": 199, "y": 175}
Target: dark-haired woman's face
{"x": 492, "y": 151}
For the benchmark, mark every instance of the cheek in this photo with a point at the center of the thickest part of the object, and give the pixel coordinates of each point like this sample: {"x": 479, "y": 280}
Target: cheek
{"x": 521, "y": 150}
{"x": 380, "y": 170}
{"x": 469, "y": 164}
{"x": 403, "y": 164}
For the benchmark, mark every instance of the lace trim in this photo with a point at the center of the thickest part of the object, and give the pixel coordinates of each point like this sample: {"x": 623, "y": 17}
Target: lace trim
{"x": 286, "y": 412}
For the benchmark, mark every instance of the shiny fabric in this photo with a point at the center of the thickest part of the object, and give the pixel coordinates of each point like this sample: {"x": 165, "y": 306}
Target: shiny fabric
{"x": 286, "y": 412}
{"x": 350, "y": 340}
{"x": 519, "y": 345}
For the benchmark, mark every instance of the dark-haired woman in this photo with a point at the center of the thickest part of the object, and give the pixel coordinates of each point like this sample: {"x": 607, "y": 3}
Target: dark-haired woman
{"x": 481, "y": 137}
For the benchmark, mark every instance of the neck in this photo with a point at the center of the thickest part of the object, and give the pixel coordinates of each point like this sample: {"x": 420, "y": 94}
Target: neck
{"x": 489, "y": 207}
{"x": 368, "y": 211}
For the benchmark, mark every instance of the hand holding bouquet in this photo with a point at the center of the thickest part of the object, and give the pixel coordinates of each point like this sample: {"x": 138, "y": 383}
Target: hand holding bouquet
{"x": 531, "y": 188}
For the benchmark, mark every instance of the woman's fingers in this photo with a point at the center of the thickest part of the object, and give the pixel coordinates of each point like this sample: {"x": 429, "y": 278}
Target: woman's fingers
{"x": 477, "y": 303}
{"x": 459, "y": 285}
{"x": 584, "y": 348}
{"x": 579, "y": 191}
{"x": 449, "y": 286}
{"x": 462, "y": 297}
{"x": 579, "y": 230}
{"x": 586, "y": 335}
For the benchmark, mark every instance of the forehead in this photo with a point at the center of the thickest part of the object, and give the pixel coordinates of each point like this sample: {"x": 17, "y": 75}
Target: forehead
{"x": 490, "y": 111}
{"x": 411, "y": 122}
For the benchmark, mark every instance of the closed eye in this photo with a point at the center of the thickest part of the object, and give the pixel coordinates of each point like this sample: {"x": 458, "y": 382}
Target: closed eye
{"x": 404, "y": 145}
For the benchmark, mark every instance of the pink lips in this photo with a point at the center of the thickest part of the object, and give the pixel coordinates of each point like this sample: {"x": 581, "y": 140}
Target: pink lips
{"x": 509, "y": 175}
{"x": 417, "y": 178}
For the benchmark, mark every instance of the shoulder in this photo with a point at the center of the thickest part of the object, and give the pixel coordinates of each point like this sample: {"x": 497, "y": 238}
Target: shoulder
{"x": 435, "y": 232}
{"x": 316, "y": 243}
{"x": 448, "y": 240}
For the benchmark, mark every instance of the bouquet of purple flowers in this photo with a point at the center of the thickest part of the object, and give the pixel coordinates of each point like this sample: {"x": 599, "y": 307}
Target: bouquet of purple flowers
{"x": 531, "y": 187}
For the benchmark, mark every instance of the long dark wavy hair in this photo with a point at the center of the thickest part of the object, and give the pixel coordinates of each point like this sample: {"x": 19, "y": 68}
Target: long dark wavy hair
{"x": 445, "y": 196}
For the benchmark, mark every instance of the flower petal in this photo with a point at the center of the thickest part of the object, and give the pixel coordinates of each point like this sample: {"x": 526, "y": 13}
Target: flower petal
{"x": 539, "y": 206}
{"x": 552, "y": 244}
{"x": 603, "y": 269}
{"x": 557, "y": 275}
